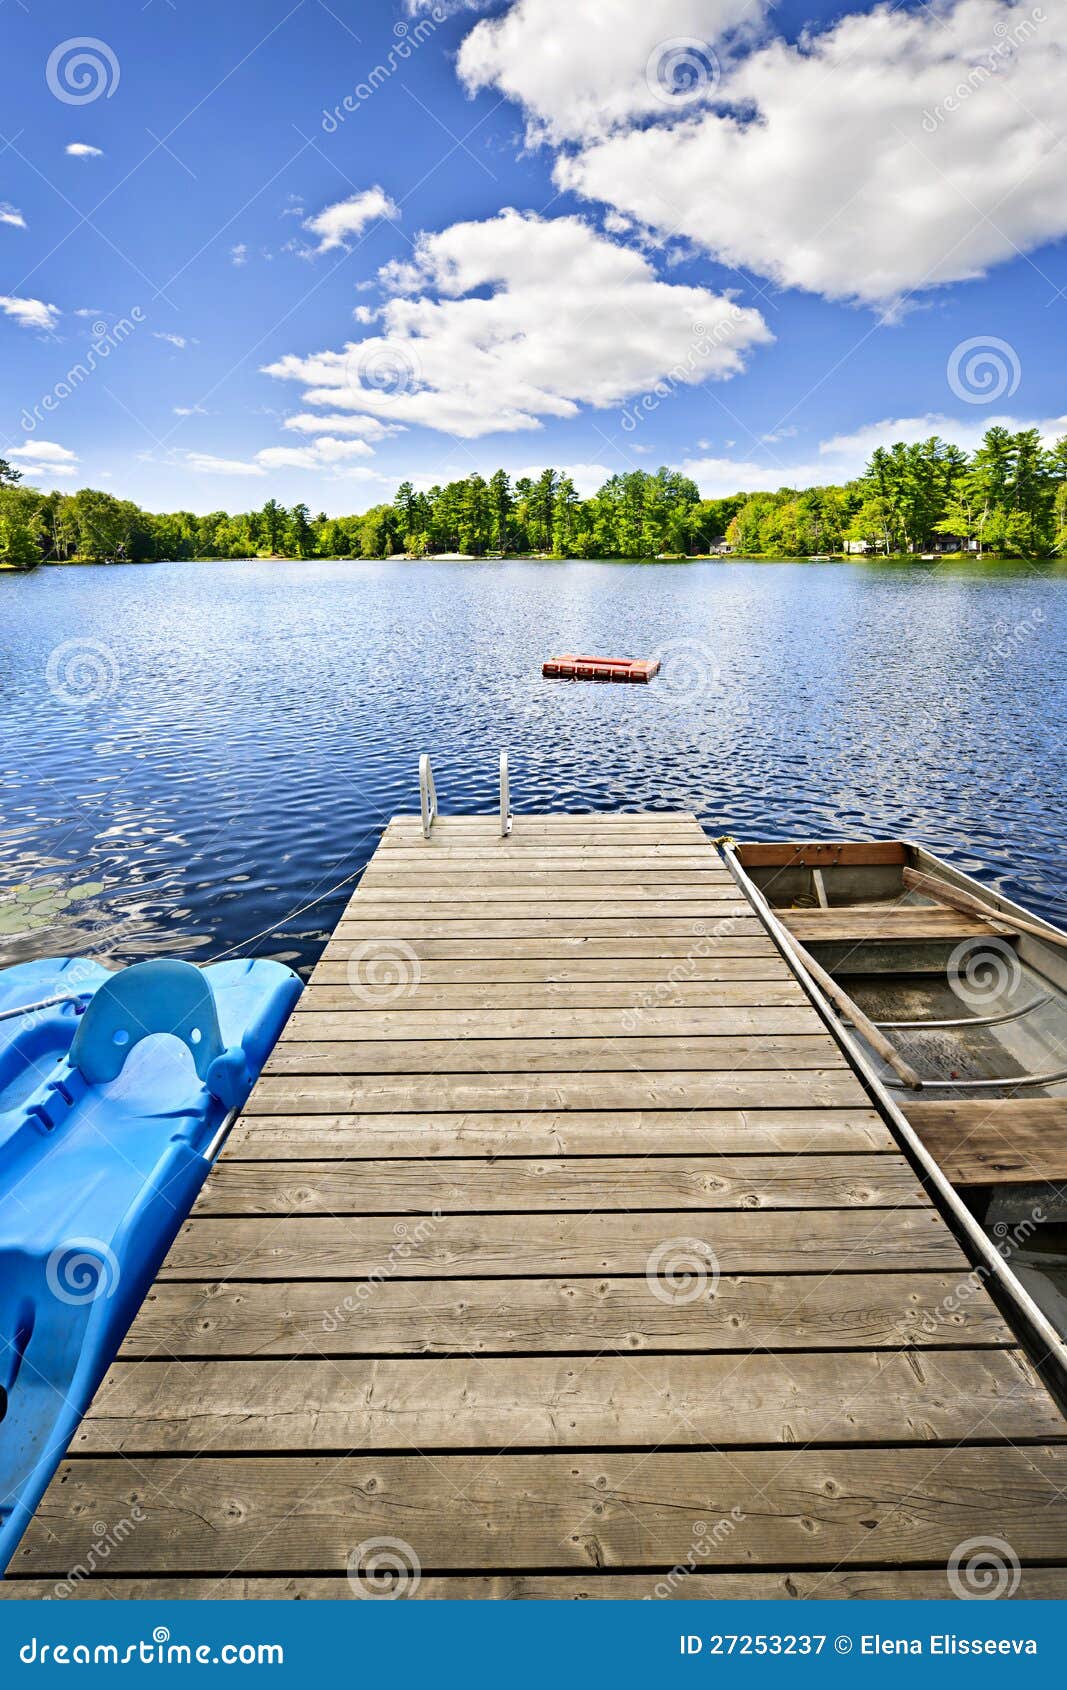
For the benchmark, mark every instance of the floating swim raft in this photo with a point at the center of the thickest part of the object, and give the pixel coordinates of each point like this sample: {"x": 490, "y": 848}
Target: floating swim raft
{"x": 571, "y": 668}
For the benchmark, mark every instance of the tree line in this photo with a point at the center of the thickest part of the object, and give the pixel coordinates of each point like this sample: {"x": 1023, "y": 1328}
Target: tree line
{"x": 1008, "y": 498}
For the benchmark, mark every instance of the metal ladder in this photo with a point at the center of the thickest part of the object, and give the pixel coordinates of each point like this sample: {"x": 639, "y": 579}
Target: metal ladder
{"x": 428, "y": 796}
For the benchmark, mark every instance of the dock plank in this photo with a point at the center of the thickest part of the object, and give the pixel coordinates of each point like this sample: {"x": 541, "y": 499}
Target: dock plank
{"x": 562, "y": 1316}
{"x": 521, "y": 1186}
{"x": 886, "y": 1584}
{"x": 150, "y": 1408}
{"x": 582, "y": 1093}
{"x": 354, "y": 1023}
{"x": 520, "y": 1057}
{"x": 333, "y": 1093}
{"x": 341, "y": 987}
{"x": 455, "y": 1246}
{"x": 555, "y": 1512}
{"x": 648, "y": 1132}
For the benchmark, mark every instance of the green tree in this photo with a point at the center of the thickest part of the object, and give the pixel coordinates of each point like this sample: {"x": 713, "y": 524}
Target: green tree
{"x": 273, "y": 524}
{"x": 18, "y": 547}
{"x": 301, "y": 536}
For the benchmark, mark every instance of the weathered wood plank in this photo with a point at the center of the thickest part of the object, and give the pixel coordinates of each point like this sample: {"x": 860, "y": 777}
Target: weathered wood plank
{"x": 827, "y": 1507}
{"x": 647, "y": 1132}
{"x": 996, "y": 1141}
{"x": 499, "y": 859}
{"x": 876, "y": 925}
{"x": 364, "y": 921}
{"x": 509, "y": 1246}
{"x": 521, "y": 1185}
{"x": 1036, "y": 1584}
{"x": 572, "y": 950}
{"x": 828, "y": 854}
{"x": 593, "y": 896}
{"x": 248, "y": 1407}
{"x": 332, "y": 1094}
{"x": 765, "y": 1051}
{"x": 653, "y": 882}
{"x": 404, "y": 1021}
{"x": 335, "y": 986}
{"x": 564, "y": 1316}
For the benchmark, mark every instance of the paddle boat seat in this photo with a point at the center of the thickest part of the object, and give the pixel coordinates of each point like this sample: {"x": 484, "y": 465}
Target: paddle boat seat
{"x": 40, "y": 1007}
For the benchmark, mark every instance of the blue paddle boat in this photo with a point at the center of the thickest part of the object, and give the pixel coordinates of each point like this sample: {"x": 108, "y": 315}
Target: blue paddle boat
{"x": 113, "y": 1106}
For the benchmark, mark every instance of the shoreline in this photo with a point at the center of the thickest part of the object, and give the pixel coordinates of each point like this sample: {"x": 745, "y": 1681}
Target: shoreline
{"x": 989, "y": 559}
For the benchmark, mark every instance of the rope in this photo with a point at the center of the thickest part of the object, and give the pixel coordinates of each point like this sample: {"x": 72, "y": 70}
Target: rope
{"x": 291, "y": 915}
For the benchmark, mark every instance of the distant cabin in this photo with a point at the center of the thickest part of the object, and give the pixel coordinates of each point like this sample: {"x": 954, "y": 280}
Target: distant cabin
{"x": 952, "y": 543}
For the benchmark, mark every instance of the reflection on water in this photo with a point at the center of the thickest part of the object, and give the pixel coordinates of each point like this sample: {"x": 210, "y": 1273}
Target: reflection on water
{"x": 192, "y": 752}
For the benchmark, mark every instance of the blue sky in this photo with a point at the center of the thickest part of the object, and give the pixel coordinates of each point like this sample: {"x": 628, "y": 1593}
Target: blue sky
{"x": 752, "y": 240}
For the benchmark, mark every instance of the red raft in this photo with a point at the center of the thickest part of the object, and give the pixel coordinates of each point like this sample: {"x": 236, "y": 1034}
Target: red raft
{"x": 571, "y": 668}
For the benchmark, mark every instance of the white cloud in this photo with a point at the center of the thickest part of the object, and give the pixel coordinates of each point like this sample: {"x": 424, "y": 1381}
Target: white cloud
{"x": 895, "y": 150}
{"x": 11, "y": 215}
{"x": 190, "y": 411}
{"x": 966, "y": 432}
{"x": 81, "y": 149}
{"x": 177, "y": 340}
{"x": 30, "y": 313}
{"x": 209, "y": 465}
{"x": 43, "y": 457}
{"x": 326, "y": 453}
{"x": 583, "y": 69}
{"x": 844, "y": 457}
{"x": 495, "y": 325}
{"x": 368, "y": 428}
{"x": 239, "y": 254}
{"x": 348, "y": 218}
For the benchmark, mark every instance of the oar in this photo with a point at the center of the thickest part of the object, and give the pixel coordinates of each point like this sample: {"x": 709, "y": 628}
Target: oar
{"x": 874, "y": 1036}
{"x": 956, "y": 899}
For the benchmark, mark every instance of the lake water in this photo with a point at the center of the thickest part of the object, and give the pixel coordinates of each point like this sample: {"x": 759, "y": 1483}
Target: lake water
{"x": 190, "y": 753}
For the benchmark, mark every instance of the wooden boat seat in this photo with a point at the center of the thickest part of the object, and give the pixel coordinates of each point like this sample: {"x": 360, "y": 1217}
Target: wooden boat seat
{"x": 877, "y": 923}
{"x": 995, "y": 1141}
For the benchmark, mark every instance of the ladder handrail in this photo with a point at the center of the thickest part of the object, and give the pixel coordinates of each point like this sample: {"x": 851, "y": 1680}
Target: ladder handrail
{"x": 505, "y": 797}
{"x": 427, "y": 795}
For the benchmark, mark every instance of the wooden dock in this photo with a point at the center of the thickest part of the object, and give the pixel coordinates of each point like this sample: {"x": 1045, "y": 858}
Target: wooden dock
{"x": 558, "y": 1252}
